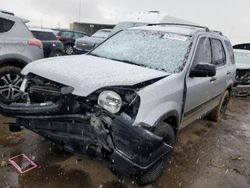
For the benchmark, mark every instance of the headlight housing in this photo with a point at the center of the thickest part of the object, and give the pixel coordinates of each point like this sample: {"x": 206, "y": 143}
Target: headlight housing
{"x": 110, "y": 101}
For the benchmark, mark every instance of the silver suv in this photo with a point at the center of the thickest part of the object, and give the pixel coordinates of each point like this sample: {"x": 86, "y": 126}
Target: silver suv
{"x": 126, "y": 100}
{"x": 17, "y": 48}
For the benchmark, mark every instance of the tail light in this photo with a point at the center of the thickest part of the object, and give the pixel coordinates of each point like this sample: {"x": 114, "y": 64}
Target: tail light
{"x": 35, "y": 42}
{"x": 58, "y": 37}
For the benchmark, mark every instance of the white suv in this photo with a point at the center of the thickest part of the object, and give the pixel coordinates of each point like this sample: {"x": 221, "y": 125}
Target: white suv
{"x": 18, "y": 47}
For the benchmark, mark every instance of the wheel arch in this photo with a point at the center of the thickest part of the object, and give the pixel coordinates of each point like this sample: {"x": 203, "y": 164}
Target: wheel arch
{"x": 13, "y": 62}
{"x": 172, "y": 118}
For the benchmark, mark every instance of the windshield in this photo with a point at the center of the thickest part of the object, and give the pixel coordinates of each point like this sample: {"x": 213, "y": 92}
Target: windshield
{"x": 242, "y": 57}
{"x": 101, "y": 34}
{"x": 151, "y": 49}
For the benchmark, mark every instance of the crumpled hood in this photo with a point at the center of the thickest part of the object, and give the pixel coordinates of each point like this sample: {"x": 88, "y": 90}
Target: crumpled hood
{"x": 86, "y": 73}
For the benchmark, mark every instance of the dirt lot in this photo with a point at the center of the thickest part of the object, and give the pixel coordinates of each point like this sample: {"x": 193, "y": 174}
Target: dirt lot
{"x": 207, "y": 155}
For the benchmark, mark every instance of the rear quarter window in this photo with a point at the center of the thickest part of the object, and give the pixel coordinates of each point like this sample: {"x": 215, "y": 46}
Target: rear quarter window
{"x": 218, "y": 51}
{"x": 230, "y": 51}
{"x": 5, "y": 25}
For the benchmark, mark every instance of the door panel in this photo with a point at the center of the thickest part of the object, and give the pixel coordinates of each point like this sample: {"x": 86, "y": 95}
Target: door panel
{"x": 199, "y": 90}
{"x": 219, "y": 60}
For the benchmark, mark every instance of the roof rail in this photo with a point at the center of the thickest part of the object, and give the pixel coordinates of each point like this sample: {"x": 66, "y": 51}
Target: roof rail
{"x": 180, "y": 24}
{"x": 7, "y": 12}
{"x": 218, "y": 32}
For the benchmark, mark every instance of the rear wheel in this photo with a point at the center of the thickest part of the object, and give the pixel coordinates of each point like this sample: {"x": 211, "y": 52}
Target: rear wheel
{"x": 10, "y": 82}
{"x": 167, "y": 133}
{"x": 69, "y": 49}
{"x": 217, "y": 114}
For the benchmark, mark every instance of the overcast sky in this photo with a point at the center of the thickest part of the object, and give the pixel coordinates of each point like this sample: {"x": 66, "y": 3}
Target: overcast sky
{"x": 230, "y": 16}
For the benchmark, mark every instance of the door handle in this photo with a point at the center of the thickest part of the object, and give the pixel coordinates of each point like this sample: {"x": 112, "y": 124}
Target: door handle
{"x": 228, "y": 73}
{"x": 212, "y": 79}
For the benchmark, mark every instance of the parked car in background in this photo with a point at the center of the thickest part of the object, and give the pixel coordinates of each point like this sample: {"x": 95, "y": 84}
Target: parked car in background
{"x": 243, "y": 46}
{"x": 85, "y": 44}
{"x": 18, "y": 47}
{"x": 126, "y": 100}
{"x": 68, "y": 37}
{"x": 51, "y": 46}
{"x": 242, "y": 82}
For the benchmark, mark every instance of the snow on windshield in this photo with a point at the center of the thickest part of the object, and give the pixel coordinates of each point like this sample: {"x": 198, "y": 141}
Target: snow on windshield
{"x": 242, "y": 57}
{"x": 153, "y": 49}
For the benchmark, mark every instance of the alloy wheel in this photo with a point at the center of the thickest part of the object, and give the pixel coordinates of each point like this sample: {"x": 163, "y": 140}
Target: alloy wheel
{"x": 10, "y": 86}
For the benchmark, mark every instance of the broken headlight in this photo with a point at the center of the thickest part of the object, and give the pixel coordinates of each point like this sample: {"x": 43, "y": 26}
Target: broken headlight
{"x": 110, "y": 101}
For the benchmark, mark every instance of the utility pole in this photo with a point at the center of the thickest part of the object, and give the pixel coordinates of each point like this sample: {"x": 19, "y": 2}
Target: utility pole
{"x": 80, "y": 6}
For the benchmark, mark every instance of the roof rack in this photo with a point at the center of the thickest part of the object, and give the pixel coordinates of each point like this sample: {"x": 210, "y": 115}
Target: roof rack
{"x": 180, "y": 24}
{"x": 7, "y": 12}
{"x": 218, "y": 32}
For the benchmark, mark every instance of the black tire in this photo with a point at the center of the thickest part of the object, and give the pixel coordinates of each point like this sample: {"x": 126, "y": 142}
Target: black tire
{"x": 69, "y": 50}
{"x": 55, "y": 54}
{"x": 167, "y": 133}
{"x": 217, "y": 114}
{"x": 10, "y": 82}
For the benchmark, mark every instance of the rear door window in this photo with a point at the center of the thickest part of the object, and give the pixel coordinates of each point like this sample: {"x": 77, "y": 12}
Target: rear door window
{"x": 218, "y": 51}
{"x": 5, "y": 25}
{"x": 203, "y": 53}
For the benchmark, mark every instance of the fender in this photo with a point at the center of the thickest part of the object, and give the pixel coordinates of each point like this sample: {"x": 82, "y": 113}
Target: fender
{"x": 172, "y": 113}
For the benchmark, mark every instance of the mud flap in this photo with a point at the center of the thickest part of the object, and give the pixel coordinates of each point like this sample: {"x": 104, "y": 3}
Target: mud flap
{"x": 136, "y": 149}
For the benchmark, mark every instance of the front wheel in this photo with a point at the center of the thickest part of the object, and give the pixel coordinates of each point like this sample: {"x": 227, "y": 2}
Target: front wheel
{"x": 167, "y": 133}
{"x": 10, "y": 83}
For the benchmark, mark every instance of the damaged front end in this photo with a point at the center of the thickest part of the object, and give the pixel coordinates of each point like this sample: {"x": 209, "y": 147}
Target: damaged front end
{"x": 242, "y": 83}
{"x": 89, "y": 125}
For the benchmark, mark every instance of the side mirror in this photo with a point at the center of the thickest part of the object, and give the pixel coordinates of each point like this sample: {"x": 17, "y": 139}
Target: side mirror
{"x": 203, "y": 70}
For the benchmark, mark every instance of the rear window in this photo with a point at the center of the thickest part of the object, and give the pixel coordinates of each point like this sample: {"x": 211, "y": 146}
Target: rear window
{"x": 5, "y": 25}
{"x": 44, "y": 35}
{"x": 66, "y": 34}
{"x": 78, "y": 35}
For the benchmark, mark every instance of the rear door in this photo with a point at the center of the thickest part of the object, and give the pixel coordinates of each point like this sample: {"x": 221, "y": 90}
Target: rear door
{"x": 220, "y": 61}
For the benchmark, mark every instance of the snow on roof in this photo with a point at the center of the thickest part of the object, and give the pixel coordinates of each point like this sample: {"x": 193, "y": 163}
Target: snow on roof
{"x": 183, "y": 30}
{"x": 154, "y": 17}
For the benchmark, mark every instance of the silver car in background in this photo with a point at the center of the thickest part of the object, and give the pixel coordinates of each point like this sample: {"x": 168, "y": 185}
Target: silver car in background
{"x": 242, "y": 82}
{"x": 18, "y": 47}
{"x": 85, "y": 44}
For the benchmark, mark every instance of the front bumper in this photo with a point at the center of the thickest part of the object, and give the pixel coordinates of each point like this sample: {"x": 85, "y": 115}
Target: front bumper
{"x": 241, "y": 91}
{"x": 130, "y": 151}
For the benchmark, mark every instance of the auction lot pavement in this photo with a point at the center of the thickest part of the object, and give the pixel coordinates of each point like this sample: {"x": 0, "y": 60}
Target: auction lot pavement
{"x": 207, "y": 155}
